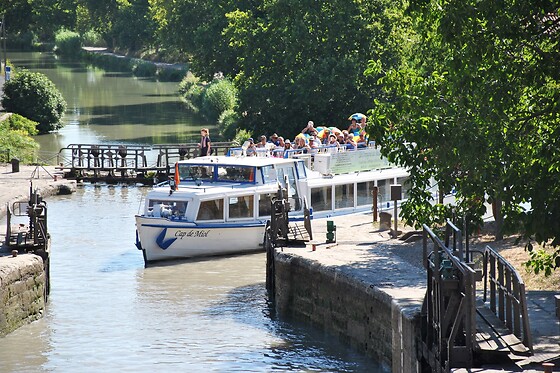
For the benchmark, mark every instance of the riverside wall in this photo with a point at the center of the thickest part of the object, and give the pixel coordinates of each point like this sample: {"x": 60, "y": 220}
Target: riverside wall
{"x": 368, "y": 294}
{"x": 23, "y": 278}
{"x": 22, "y": 291}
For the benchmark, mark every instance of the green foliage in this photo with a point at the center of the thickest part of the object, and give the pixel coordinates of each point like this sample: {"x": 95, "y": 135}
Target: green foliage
{"x": 143, "y": 68}
{"x": 92, "y": 38}
{"x": 193, "y": 97}
{"x": 68, "y": 43}
{"x": 240, "y": 137}
{"x": 228, "y": 123}
{"x": 219, "y": 96}
{"x": 187, "y": 82}
{"x": 16, "y": 140}
{"x": 34, "y": 96}
{"x": 171, "y": 74}
{"x": 24, "y": 40}
{"x": 477, "y": 112}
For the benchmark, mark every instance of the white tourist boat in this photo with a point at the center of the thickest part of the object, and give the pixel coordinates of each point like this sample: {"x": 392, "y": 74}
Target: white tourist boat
{"x": 220, "y": 205}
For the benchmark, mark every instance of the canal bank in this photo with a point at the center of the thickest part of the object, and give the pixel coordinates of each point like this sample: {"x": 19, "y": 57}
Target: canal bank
{"x": 363, "y": 289}
{"x": 24, "y": 280}
{"x": 367, "y": 290}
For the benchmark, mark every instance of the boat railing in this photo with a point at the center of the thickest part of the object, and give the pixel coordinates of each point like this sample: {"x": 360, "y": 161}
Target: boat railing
{"x": 290, "y": 153}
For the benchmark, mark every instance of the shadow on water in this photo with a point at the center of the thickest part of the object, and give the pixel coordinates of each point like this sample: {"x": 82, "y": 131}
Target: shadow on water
{"x": 301, "y": 347}
{"x": 154, "y": 113}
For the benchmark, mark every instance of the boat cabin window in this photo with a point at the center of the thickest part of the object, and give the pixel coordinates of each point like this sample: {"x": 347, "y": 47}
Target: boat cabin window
{"x": 265, "y": 204}
{"x": 301, "y": 170}
{"x": 195, "y": 172}
{"x": 365, "y": 193}
{"x": 384, "y": 190}
{"x": 269, "y": 174}
{"x": 321, "y": 198}
{"x": 211, "y": 210}
{"x": 244, "y": 174}
{"x": 166, "y": 209}
{"x": 343, "y": 196}
{"x": 240, "y": 207}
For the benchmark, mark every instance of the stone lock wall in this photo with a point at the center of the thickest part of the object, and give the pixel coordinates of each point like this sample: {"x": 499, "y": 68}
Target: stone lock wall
{"x": 357, "y": 313}
{"x": 22, "y": 288}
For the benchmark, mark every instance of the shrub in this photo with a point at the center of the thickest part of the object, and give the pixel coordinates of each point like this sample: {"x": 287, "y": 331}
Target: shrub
{"x": 193, "y": 97}
{"x": 67, "y": 43}
{"x": 93, "y": 39}
{"x": 35, "y": 97}
{"x": 228, "y": 123}
{"x": 240, "y": 137}
{"x": 188, "y": 81}
{"x": 143, "y": 68}
{"x": 171, "y": 74}
{"x": 221, "y": 95}
{"x": 16, "y": 140}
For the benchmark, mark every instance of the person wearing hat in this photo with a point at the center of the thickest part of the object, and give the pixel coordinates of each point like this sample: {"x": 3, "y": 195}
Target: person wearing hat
{"x": 274, "y": 139}
{"x": 287, "y": 144}
{"x": 250, "y": 151}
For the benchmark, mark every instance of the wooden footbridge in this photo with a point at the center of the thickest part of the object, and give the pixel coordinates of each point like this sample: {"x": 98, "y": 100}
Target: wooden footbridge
{"x": 118, "y": 163}
{"x": 475, "y": 309}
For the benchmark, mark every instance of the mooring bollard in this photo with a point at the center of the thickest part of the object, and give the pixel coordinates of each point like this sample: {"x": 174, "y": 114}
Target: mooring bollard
{"x": 14, "y": 253}
{"x": 548, "y": 367}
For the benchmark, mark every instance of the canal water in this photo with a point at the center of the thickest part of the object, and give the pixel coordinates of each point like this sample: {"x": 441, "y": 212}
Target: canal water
{"x": 111, "y": 107}
{"x": 106, "y": 311}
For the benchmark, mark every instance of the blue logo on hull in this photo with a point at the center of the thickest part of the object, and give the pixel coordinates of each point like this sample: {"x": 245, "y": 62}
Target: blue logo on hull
{"x": 162, "y": 242}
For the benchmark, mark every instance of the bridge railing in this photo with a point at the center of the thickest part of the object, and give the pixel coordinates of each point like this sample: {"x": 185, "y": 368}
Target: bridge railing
{"x": 449, "y": 305}
{"x": 506, "y": 290}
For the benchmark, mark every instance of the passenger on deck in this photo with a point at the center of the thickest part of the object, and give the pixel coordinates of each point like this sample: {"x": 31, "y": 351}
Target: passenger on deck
{"x": 274, "y": 139}
{"x": 362, "y": 140}
{"x": 262, "y": 142}
{"x": 349, "y": 140}
{"x": 250, "y": 148}
{"x": 287, "y": 144}
{"x": 355, "y": 127}
{"x": 310, "y": 127}
{"x": 301, "y": 144}
{"x": 204, "y": 144}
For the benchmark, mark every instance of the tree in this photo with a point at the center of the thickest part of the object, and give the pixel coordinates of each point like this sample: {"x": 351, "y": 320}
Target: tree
{"x": 478, "y": 112}
{"x": 34, "y": 96}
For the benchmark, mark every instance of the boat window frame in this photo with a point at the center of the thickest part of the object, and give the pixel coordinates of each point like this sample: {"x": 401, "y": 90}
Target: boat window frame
{"x": 300, "y": 164}
{"x": 222, "y": 219}
{"x": 190, "y": 178}
{"x": 251, "y": 210}
{"x": 218, "y": 179}
{"x": 175, "y": 213}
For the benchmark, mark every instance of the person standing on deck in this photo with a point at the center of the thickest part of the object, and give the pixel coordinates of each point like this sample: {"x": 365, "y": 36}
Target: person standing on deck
{"x": 204, "y": 144}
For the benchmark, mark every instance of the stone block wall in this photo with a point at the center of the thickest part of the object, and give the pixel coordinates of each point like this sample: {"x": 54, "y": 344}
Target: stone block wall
{"x": 358, "y": 313}
{"x": 22, "y": 288}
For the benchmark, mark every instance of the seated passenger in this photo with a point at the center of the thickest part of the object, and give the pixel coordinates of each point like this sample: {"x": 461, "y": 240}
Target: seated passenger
{"x": 361, "y": 140}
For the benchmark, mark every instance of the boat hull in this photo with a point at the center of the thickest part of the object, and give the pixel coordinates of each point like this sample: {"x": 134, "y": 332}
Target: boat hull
{"x": 165, "y": 239}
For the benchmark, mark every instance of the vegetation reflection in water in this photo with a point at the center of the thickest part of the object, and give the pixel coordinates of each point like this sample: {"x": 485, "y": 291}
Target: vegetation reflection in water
{"x": 112, "y": 107}
{"x": 107, "y": 311}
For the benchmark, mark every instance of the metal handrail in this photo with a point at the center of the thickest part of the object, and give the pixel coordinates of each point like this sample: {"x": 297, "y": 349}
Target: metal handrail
{"x": 510, "y": 303}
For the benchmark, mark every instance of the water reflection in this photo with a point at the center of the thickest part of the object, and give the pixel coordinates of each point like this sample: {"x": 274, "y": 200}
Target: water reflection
{"x": 112, "y": 107}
